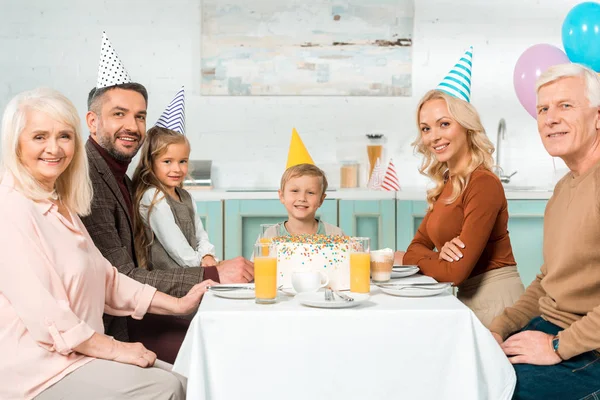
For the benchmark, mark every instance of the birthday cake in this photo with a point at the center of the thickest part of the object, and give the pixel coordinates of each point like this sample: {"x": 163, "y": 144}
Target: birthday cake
{"x": 329, "y": 254}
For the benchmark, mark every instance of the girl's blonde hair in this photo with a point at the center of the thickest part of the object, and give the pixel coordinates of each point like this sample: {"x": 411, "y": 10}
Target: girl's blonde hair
{"x": 480, "y": 148}
{"x": 144, "y": 178}
{"x": 73, "y": 186}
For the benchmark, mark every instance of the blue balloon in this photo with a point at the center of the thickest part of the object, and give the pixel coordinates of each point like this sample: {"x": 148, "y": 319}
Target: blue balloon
{"x": 581, "y": 35}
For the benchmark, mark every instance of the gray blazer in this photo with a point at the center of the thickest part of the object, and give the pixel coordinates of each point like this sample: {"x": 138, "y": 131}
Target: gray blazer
{"x": 111, "y": 228}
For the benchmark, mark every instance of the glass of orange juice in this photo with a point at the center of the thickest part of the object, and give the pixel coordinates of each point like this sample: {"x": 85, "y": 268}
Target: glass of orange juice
{"x": 360, "y": 264}
{"x": 262, "y": 238}
{"x": 265, "y": 273}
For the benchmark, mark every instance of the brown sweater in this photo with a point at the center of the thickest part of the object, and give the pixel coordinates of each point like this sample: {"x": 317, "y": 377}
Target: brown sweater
{"x": 479, "y": 217}
{"x": 567, "y": 291}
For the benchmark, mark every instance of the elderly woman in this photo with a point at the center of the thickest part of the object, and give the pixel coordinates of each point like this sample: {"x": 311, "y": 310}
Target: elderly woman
{"x": 54, "y": 283}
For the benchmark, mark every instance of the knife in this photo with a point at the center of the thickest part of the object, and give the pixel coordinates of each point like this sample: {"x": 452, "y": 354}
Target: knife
{"x": 222, "y": 288}
{"x": 344, "y": 296}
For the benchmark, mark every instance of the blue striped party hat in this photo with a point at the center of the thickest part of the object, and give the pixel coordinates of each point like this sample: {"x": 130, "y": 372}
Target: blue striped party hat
{"x": 458, "y": 81}
{"x": 173, "y": 117}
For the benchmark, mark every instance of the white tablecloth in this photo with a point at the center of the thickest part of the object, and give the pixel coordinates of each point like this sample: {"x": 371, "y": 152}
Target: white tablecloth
{"x": 389, "y": 347}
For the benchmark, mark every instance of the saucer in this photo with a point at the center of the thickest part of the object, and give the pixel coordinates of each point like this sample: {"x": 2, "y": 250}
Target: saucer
{"x": 235, "y": 293}
{"x": 317, "y": 299}
{"x": 288, "y": 291}
{"x": 400, "y": 271}
{"x": 415, "y": 290}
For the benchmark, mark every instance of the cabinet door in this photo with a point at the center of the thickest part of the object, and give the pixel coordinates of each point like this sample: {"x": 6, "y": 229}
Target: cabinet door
{"x": 211, "y": 215}
{"x": 526, "y": 230}
{"x": 409, "y": 214}
{"x": 370, "y": 218}
{"x": 244, "y": 217}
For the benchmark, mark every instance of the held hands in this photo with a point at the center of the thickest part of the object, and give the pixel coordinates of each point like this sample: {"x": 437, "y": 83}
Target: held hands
{"x": 530, "y": 347}
{"x": 236, "y": 270}
{"x": 188, "y": 303}
{"x": 451, "y": 250}
{"x": 132, "y": 353}
{"x": 208, "y": 261}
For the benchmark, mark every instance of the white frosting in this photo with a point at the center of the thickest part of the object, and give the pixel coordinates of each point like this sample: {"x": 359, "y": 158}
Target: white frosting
{"x": 333, "y": 260}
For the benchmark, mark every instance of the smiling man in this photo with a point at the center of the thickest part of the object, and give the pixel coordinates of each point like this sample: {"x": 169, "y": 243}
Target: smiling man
{"x": 555, "y": 325}
{"x": 116, "y": 119}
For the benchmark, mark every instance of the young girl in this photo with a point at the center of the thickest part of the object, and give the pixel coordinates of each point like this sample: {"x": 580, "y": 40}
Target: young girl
{"x": 168, "y": 232}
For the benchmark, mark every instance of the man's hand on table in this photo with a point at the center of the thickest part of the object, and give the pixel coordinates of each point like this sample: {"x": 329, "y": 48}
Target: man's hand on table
{"x": 236, "y": 270}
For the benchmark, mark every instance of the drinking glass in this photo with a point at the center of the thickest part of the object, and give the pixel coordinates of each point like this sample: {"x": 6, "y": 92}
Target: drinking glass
{"x": 265, "y": 273}
{"x": 360, "y": 264}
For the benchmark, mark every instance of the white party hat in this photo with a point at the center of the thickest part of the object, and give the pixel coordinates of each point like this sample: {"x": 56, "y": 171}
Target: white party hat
{"x": 110, "y": 70}
{"x": 458, "y": 81}
{"x": 173, "y": 117}
{"x": 390, "y": 180}
{"x": 376, "y": 176}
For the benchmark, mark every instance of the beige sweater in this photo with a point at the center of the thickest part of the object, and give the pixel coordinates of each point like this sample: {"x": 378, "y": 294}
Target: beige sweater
{"x": 567, "y": 291}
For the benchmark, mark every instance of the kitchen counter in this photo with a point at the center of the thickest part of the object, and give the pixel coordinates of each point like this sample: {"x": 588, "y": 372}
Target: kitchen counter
{"x": 512, "y": 193}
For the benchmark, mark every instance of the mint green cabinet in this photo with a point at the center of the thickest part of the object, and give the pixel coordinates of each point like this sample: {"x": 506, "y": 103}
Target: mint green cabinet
{"x": 244, "y": 217}
{"x": 370, "y": 218}
{"x": 526, "y": 230}
{"x": 409, "y": 214}
{"x": 525, "y": 227}
{"x": 211, "y": 214}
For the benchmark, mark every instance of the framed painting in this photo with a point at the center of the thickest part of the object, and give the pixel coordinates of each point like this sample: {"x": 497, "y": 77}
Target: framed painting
{"x": 311, "y": 47}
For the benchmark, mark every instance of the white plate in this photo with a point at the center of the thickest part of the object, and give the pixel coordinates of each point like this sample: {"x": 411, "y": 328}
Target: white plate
{"x": 400, "y": 271}
{"x": 317, "y": 299}
{"x": 288, "y": 291}
{"x": 415, "y": 290}
{"x": 235, "y": 293}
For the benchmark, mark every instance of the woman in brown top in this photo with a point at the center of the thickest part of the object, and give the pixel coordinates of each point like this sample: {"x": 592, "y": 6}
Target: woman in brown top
{"x": 467, "y": 215}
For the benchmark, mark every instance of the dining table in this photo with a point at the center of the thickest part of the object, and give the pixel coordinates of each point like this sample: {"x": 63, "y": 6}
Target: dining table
{"x": 384, "y": 346}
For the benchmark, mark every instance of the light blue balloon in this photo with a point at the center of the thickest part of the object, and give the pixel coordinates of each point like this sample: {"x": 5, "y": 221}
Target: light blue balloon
{"x": 581, "y": 35}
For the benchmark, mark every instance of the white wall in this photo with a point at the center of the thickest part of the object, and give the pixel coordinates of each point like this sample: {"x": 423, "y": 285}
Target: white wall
{"x": 56, "y": 43}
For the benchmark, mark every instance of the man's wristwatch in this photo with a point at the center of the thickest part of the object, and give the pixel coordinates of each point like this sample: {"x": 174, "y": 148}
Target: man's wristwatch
{"x": 555, "y": 343}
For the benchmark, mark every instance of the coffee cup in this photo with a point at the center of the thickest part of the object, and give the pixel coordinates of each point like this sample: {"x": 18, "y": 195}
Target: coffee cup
{"x": 309, "y": 281}
{"x": 382, "y": 262}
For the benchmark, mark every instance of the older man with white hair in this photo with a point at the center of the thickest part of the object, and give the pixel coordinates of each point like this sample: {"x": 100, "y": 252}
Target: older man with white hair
{"x": 556, "y": 350}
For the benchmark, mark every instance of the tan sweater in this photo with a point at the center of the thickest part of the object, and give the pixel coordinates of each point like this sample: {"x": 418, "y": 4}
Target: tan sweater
{"x": 567, "y": 291}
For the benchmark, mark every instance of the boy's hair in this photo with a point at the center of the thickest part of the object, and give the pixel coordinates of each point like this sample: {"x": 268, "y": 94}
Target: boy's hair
{"x": 144, "y": 178}
{"x": 304, "y": 170}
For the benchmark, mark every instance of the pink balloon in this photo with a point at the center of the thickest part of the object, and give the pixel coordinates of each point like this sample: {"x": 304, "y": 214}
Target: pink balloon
{"x": 530, "y": 65}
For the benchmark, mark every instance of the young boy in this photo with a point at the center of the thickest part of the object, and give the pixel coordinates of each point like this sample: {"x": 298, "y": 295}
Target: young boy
{"x": 302, "y": 192}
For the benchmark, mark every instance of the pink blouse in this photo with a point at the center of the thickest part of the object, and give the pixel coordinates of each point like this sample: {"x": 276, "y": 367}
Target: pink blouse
{"x": 54, "y": 286}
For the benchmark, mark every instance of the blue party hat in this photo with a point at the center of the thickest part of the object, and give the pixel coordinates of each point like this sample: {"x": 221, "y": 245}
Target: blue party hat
{"x": 173, "y": 117}
{"x": 458, "y": 81}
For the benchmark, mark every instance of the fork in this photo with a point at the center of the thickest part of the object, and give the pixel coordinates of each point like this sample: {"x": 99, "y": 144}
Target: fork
{"x": 343, "y": 296}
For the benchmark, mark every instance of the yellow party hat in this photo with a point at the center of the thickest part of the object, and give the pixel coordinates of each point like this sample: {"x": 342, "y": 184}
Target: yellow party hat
{"x": 298, "y": 153}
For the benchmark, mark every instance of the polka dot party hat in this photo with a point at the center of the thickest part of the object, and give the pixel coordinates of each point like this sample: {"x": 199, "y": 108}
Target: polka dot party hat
{"x": 110, "y": 71}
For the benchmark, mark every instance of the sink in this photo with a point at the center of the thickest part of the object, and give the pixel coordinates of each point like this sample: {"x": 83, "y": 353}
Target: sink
{"x": 517, "y": 188}
{"x": 250, "y": 190}
{"x": 263, "y": 190}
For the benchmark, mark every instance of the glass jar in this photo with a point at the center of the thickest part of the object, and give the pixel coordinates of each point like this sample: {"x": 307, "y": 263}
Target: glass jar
{"x": 374, "y": 150}
{"x": 349, "y": 174}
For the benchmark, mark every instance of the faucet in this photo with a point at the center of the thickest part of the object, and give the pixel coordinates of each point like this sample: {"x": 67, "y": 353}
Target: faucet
{"x": 501, "y": 135}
